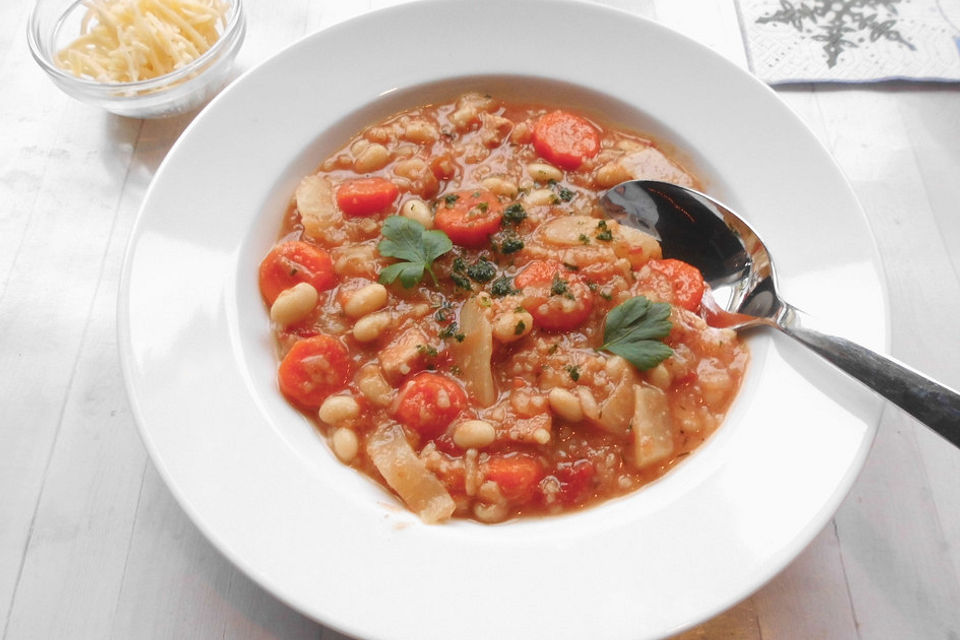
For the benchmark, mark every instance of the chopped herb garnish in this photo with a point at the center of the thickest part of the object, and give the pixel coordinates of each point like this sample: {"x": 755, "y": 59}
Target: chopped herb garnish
{"x": 514, "y": 214}
{"x": 450, "y": 199}
{"x": 583, "y": 239}
{"x": 520, "y": 328}
{"x": 606, "y": 295}
{"x": 461, "y": 280}
{"x": 427, "y": 351}
{"x": 603, "y": 232}
{"x": 483, "y": 206}
{"x": 502, "y": 286}
{"x": 573, "y": 371}
{"x": 482, "y": 270}
{"x": 450, "y": 331}
{"x": 634, "y": 329}
{"x": 565, "y": 194}
{"x": 511, "y": 244}
{"x": 553, "y": 348}
{"x": 414, "y": 246}
{"x": 559, "y": 285}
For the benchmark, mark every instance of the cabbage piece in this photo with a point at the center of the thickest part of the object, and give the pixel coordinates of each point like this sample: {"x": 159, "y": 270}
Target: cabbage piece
{"x": 474, "y": 353}
{"x": 652, "y": 435}
{"x": 319, "y": 216}
{"x": 406, "y": 474}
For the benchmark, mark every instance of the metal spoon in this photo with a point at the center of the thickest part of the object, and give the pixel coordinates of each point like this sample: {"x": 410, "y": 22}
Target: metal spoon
{"x": 735, "y": 263}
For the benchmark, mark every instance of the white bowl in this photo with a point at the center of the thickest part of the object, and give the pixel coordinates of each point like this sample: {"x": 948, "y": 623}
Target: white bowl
{"x": 256, "y": 478}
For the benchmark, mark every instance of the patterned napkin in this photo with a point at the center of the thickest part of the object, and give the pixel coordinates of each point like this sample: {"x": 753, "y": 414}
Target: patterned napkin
{"x": 852, "y": 40}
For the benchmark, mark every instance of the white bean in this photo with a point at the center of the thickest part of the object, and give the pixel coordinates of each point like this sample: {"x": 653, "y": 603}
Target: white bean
{"x": 566, "y": 404}
{"x": 543, "y": 172}
{"x": 336, "y": 410}
{"x": 474, "y": 434}
{"x": 369, "y": 327}
{"x": 511, "y": 326}
{"x": 345, "y": 444}
{"x": 540, "y": 197}
{"x": 418, "y": 210}
{"x": 500, "y": 186}
{"x": 374, "y": 157}
{"x": 293, "y": 304}
{"x": 365, "y": 300}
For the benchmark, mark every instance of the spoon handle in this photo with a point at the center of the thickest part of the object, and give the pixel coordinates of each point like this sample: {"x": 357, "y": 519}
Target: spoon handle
{"x": 926, "y": 400}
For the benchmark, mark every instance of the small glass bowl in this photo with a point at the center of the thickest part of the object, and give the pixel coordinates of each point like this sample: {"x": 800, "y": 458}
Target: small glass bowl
{"x": 55, "y": 23}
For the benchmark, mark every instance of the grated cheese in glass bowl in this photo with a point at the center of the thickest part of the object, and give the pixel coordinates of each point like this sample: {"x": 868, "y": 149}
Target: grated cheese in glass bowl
{"x": 138, "y": 58}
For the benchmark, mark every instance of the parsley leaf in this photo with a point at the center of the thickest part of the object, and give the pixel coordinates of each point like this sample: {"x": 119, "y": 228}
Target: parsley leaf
{"x": 408, "y": 241}
{"x": 633, "y": 330}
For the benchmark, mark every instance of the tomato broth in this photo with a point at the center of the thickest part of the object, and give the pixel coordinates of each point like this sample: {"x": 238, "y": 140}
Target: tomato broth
{"x": 456, "y": 315}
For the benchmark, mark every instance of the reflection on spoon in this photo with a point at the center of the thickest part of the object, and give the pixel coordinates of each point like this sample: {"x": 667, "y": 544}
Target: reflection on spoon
{"x": 735, "y": 263}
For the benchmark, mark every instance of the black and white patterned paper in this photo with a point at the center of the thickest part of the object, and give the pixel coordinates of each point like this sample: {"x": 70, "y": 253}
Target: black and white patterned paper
{"x": 852, "y": 40}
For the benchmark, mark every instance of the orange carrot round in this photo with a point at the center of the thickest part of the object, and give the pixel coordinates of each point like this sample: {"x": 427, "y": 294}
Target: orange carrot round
{"x": 469, "y": 217}
{"x": 565, "y": 139}
{"x": 361, "y": 197}
{"x": 294, "y": 262}
{"x": 313, "y": 369}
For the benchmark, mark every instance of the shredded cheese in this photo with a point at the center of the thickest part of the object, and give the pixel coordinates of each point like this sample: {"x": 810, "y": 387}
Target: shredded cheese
{"x": 130, "y": 40}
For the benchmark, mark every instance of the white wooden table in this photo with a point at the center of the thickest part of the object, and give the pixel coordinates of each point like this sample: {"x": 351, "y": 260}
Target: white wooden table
{"x": 92, "y": 544}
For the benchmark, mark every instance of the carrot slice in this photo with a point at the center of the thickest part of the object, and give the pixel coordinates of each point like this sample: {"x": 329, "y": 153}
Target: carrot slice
{"x": 686, "y": 281}
{"x": 469, "y": 217}
{"x": 294, "y": 262}
{"x": 313, "y": 369}
{"x": 428, "y": 403}
{"x": 558, "y": 299}
{"x": 361, "y": 197}
{"x": 565, "y": 139}
{"x": 518, "y": 476}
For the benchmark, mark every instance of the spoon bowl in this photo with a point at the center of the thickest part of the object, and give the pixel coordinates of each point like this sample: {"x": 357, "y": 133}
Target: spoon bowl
{"x": 740, "y": 272}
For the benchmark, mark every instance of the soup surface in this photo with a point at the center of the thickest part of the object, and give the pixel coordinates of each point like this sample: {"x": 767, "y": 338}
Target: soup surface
{"x": 454, "y": 312}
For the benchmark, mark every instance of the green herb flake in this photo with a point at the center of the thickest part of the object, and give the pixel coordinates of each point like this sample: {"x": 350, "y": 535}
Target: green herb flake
{"x": 514, "y": 214}
{"x": 559, "y": 286}
{"x": 573, "y": 371}
{"x": 634, "y": 329}
{"x": 565, "y": 194}
{"x": 583, "y": 239}
{"x": 482, "y": 270}
{"x": 482, "y": 207}
{"x": 427, "y": 351}
{"x": 461, "y": 280}
{"x": 511, "y": 244}
{"x": 502, "y": 286}
{"x": 603, "y": 232}
{"x": 520, "y": 328}
{"x": 414, "y": 247}
{"x": 450, "y": 199}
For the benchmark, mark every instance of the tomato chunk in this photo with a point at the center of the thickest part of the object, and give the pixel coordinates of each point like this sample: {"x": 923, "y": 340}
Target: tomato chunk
{"x": 469, "y": 217}
{"x": 686, "y": 281}
{"x": 517, "y": 474}
{"x": 293, "y": 262}
{"x": 565, "y": 139}
{"x": 366, "y": 196}
{"x": 576, "y": 479}
{"x": 558, "y": 299}
{"x": 428, "y": 403}
{"x": 313, "y": 369}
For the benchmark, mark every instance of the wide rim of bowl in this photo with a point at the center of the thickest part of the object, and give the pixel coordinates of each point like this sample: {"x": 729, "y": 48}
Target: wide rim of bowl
{"x": 229, "y": 38}
{"x": 266, "y": 575}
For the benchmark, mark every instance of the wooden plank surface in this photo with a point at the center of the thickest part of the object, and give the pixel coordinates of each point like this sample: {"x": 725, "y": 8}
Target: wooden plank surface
{"x": 92, "y": 544}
